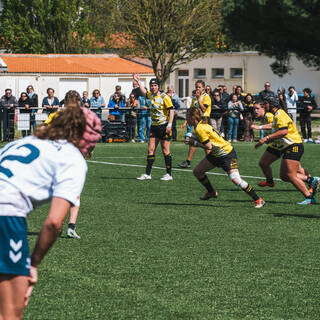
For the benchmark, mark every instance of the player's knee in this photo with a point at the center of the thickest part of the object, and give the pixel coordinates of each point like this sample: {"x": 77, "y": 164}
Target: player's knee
{"x": 237, "y": 180}
{"x": 262, "y": 163}
{"x": 198, "y": 172}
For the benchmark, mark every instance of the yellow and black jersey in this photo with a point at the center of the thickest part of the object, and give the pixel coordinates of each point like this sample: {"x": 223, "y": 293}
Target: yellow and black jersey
{"x": 282, "y": 120}
{"x": 206, "y": 101}
{"x": 205, "y": 133}
{"x": 268, "y": 118}
{"x": 159, "y": 108}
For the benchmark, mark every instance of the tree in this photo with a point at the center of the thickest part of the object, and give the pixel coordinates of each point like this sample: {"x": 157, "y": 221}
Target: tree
{"x": 276, "y": 28}
{"x": 45, "y": 26}
{"x": 169, "y": 32}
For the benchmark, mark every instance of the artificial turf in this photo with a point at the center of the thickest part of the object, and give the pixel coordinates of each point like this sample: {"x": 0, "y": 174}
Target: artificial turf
{"x": 153, "y": 250}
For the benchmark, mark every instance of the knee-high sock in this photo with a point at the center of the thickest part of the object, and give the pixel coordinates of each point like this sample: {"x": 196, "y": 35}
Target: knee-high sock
{"x": 206, "y": 183}
{"x": 168, "y": 162}
{"x": 150, "y": 161}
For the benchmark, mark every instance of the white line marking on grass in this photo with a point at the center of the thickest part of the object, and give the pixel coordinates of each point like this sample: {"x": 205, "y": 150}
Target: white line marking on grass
{"x": 173, "y": 169}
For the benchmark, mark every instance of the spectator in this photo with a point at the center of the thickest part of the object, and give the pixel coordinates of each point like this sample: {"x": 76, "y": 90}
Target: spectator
{"x": 209, "y": 91}
{"x": 85, "y": 101}
{"x": 97, "y": 102}
{"x": 217, "y": 109}
{"x": 234, "y": 110}
{"x": 115, "y": 104}
{"x": 136, "y": 89}
{"x": 118, "y": 91}
{"x": 50, "y": 103}
{"x": 224, "y": 94}
{"x": 306, "y": 106}
{"x": 240, "y": 94}
{"x": 234, "y": 91}
{"x": 282, "y": 101}
{"x": 292, "y": 98}
{"x": 177, "y": 105}
{"x": 131, "y": 116}
{"x": 264, "y": 94}
{"x": 33, "y": 98}
{"x": 8, "y": 104}
{"x": 144, "y": 119}
{"x": 248, "y": 117}
{"x": 24, "y": 107}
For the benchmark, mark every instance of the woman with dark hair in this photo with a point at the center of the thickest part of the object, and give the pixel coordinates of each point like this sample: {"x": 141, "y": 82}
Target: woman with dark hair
{"x": 131, "y": 116}
{"x": 234, "y": 110}
{"x": 24, "y": 107}
{"x": 248, "y": 116}
{"x": 219, "y": 153}
{"x": 48, "y": 166}
{"x": 33, "y": 97}
{"x": 50, "y": 103}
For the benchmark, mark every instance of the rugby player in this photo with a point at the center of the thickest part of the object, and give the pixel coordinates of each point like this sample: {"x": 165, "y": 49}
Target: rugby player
{"x": 162, "y": 113}
{"x": 286, "y": 143}
{"x": 219, "y": 153}
{"x": 47, "y": 166}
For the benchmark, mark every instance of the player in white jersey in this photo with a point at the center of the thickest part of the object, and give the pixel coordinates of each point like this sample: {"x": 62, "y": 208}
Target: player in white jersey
{"x": 33, "y": 170}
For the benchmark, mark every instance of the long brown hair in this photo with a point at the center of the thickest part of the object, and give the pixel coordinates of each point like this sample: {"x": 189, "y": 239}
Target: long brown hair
{"x": 67, "y": 124}
{"x": 196, "y": 113}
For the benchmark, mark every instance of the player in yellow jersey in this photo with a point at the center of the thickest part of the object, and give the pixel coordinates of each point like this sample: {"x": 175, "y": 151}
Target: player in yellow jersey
{"x": 266, "y": 119}
{"x": 162, "y": 113}
{"x": 219, "y": 153}
{"x": 285, "y": 141}
{"x": 203, "y": 101}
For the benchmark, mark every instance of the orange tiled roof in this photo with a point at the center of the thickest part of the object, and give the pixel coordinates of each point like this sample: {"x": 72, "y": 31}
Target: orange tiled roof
{"x": 82, "y": 63}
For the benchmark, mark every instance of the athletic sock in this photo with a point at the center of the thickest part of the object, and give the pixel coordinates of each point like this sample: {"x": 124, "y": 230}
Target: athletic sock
{"x": 269, "y": 180}
{"x": 71, "y": 226}
{"x": 150, "y": 161}
{"x": 206, "y": 183}
{"x": 188, "y": 162}
{"x": 249, "y": 190}
{"x": 168, "y": 162}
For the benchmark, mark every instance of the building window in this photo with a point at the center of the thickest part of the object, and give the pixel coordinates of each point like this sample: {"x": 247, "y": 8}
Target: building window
{"x": 236, "y": 72}
{"x": 217, "y": 73}
{"x": 183, "y": 73}
{"x": 199, "y": 73}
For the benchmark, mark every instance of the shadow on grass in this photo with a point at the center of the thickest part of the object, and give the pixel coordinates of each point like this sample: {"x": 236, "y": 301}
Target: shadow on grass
{"x": 117, "y": 178}
{"x": 211, "y": 204}
{"x": 31, "y": 233}
{"x": 306, "y": 216}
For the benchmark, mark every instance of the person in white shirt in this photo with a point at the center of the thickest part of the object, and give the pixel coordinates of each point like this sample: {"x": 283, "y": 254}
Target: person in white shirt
{"x": 47, "y": 166}
{"x": 291, "y": 99}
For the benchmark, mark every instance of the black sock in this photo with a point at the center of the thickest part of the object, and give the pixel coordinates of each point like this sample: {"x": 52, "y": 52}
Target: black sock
{"x": 206, "y": 183}
{"x": 249, "y": 190}
{"x": 168, "y": 162}
{"x": 309, "y": 180}
{"x": 72, "y": 226}
{"x": 150, "y": 161}
{"x": 269, "y": 180}
{"x": 188, "y": 162}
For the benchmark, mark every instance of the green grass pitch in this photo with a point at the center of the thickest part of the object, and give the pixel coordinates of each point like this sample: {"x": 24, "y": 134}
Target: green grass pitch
{"x": 153, "y": 250}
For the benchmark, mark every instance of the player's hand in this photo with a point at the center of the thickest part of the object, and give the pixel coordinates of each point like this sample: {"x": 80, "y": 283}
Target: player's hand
{"x": 168, "y": 129}
{"x": 261, "y": 142}
{"x": 136, "y": 77}
{"x": 254, "y": 127}
{"x": 33, "y": 279}
{"x": 183, "y": 125}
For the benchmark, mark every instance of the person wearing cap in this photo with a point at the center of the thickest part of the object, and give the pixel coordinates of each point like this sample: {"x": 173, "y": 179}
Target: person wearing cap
{"x": 286, "y": 143}
{"x": 48, "y": 166}
{"x": 162, "y": 113}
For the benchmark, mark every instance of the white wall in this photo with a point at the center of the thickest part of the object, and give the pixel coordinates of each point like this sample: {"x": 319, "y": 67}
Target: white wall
{"x": 105, "y": 83}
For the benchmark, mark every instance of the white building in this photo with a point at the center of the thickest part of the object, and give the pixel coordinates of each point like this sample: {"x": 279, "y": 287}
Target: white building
{"x": 64, "y": 72}
{"x": 248, "y": 69}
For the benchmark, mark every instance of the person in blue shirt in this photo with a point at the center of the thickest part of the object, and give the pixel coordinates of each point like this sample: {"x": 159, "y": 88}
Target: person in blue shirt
{"x": 97, "y": 102}
{"x": 50, "y": 103}
{"x": 115, "y": 104}
{"x": 144, "y": 119}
